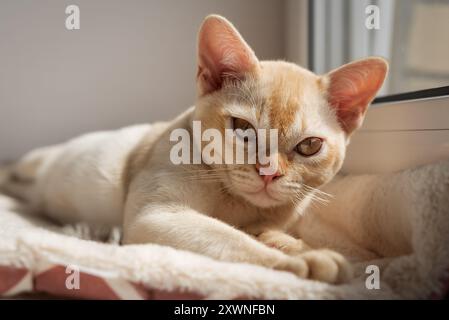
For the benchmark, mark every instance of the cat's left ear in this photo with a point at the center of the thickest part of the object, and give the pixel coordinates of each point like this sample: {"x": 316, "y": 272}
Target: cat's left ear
{"x": 352, "y": 87}
{"x": 222, "y": 53}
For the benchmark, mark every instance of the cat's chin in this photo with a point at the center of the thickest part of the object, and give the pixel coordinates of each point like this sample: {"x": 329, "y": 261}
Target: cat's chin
{"x": 263, "y": 199}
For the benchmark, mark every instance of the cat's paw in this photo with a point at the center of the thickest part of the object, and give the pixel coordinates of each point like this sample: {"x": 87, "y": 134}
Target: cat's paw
{"x": 327, "y": 266}
{"x": 321, "y": 265}
{"x": 297, "y": 266}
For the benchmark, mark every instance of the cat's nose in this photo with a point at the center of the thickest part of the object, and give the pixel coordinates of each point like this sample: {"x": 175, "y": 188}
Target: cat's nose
{"x": 268, "y": 178}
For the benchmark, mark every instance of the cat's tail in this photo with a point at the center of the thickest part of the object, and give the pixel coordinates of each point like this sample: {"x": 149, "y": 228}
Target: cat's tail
{"x": 5, "y": 171}
{"x": 11, "y": 184}
{"x": 18, "y": 179}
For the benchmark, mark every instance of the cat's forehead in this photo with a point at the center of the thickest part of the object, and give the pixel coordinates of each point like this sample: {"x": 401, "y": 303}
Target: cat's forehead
{"x": 292, "y": 96}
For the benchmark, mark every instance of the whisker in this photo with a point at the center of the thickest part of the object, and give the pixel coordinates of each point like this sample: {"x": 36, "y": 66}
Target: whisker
{"x": 318, "y": 191}
{"x": 300, "y": 195}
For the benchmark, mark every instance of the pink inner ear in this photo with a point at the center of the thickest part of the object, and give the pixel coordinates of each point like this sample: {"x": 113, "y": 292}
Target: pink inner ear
{"x": 221, "y": 51}
{"x": 352, "y": 87}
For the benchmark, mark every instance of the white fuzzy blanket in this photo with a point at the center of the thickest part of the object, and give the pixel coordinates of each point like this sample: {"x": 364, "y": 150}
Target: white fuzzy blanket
{"x": 399, "y": 222}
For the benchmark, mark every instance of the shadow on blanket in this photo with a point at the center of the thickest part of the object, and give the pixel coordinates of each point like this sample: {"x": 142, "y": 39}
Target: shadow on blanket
{"x": 398, "y": 223}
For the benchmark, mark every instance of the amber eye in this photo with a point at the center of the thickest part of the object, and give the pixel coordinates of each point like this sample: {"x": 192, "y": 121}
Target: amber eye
{"x": 309, "y": 146}
{"x": 243, "y": 125}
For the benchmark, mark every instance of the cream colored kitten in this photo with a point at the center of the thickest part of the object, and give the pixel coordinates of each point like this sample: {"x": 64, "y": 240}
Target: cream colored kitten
{"x": 229, "y": 212}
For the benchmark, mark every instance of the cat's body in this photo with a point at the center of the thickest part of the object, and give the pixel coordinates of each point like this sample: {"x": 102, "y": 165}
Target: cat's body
{"x": 230, "y": 212}
{"x": 115, "y": 163}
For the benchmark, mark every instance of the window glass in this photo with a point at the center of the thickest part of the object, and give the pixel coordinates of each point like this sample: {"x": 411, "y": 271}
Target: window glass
{"x": 413, "y": 35}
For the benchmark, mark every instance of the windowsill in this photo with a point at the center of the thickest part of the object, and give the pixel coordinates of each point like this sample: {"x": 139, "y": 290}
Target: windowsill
{"x": 400, "y": 135}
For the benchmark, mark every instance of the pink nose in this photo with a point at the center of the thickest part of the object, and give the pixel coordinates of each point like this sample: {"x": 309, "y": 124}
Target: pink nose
{"x": 269, "y": 177}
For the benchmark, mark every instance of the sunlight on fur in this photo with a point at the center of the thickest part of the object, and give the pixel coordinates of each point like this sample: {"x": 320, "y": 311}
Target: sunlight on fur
{"x": 230, "y": 212}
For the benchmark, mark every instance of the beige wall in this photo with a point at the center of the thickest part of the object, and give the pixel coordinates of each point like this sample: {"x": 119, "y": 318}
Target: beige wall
{"x": 131, "y": 62}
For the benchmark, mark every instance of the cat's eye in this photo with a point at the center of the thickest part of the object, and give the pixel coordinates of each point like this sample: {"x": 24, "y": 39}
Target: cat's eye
{"x": 309, "y": 146}
{"x": 243, "y": 125}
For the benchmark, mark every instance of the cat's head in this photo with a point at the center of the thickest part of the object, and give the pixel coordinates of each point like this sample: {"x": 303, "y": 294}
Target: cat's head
{"x": 315, "y": 115}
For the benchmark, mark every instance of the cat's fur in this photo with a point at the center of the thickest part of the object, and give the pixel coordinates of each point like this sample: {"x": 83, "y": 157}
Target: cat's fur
{"x": 125, "y": 177}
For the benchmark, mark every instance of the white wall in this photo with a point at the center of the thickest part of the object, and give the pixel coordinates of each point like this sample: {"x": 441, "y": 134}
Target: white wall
{"x": 297, "y": 31}
{"x": 131, "y": 62}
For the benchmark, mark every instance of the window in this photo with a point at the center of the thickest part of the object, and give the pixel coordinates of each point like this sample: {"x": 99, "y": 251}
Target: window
{"x": 413, "y": 35}
{"x": 402, "y": 129}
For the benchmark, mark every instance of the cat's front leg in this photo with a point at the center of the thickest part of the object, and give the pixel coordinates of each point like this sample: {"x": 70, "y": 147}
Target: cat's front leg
{"x": 324, "y": 264}
{"x": 283, "y": 242}
{"x": 183, "y": 228}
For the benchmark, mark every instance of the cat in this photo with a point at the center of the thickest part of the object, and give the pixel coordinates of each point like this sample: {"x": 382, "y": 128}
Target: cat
{"x": 229, "y": 212}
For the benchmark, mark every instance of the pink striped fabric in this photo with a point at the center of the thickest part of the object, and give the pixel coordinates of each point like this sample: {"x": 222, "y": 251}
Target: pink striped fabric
{"x": 52, "y": 280}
